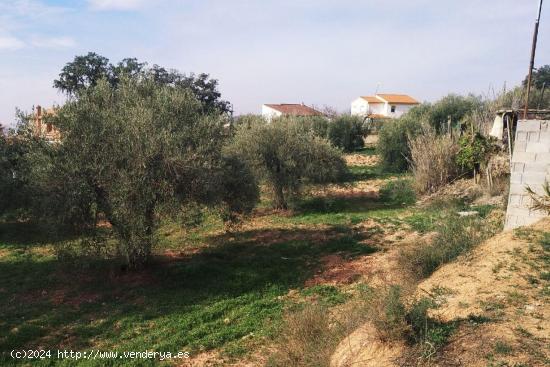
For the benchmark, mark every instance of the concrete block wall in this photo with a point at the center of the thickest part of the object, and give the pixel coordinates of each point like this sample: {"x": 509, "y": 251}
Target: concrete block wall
{"x": 530, "y": 168}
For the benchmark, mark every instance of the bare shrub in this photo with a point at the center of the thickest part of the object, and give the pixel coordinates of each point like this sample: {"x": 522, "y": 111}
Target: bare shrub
{"x": 433, "y": 160}
{"x": 308, "y": 338}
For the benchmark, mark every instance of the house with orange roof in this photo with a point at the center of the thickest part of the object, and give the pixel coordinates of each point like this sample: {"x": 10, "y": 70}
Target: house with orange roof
{"x": 382, "y": 105}
{"x": 271, "y": 111}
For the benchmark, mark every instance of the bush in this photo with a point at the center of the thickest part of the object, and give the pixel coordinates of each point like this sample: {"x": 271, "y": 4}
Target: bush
{"x": 347, "y": 132}
{"x": 287, "y": 154}
{"x": 393, "y": 138}
{"x": 344, "y": 131}
{"x": 307, "y": 338}
{"x": 473, "y": 152}
{"x": 398, "y": 192}
{"x": 433, "y": 160}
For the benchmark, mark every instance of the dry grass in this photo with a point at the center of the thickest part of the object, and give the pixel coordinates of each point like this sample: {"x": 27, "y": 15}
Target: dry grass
{"x": 308, "y": 338}
{"x": 433, "y": 160}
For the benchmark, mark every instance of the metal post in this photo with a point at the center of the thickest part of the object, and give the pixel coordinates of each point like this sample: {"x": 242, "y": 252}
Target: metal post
{"x": 532, "y": 61}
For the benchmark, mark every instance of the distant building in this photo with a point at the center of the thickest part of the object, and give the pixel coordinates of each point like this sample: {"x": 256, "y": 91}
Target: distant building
{"x": 383, "y": 105}
{"x": 43, "y": 128}
{"x": 270, "y": 111}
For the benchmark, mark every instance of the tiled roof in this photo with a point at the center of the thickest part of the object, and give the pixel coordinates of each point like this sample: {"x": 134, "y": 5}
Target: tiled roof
{"x": 294, "y": 109}
{"x": 398, "y": 98}
{"x": 372, "y": 99}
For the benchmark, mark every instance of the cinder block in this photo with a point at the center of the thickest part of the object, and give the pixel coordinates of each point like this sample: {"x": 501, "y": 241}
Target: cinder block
{"x": 529, "y": 125}
{"x": 526, "y": 201}
{"x": 545, "y": 125}
{"x": 518, "y": 167}
{"x": 545, "y": 136}
{"x": 515, "y": 177}
{"x": 535, "y": 167}
{"x": 517, "y": 189}
{"x": 520, "y": 212}
{"x": 521, "y": 136}
{"x": 515, "y": 200}
{"x": 533, "y": 178}
{"x": 523, "y": 157}
{"x": 520, "y": 146}
{"x": 541, "y": 158}
{"x": 537, "y": 147}
{"x": 533, "y": 136}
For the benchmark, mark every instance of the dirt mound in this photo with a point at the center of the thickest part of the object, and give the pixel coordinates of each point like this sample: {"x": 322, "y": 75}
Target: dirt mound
{"x": 363, "y": 348}
{"x": 499, "y": 283}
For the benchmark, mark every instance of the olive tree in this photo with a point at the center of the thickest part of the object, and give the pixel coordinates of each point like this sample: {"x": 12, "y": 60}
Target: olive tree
{"x": 140, "y": 151}
{"x": 286, "y": 154}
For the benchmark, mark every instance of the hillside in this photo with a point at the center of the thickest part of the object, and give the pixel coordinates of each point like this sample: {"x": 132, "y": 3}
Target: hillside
{"x": 496, "y": 297}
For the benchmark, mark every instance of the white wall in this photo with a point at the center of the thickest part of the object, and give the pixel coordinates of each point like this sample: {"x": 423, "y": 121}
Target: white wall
{"x": 400, "y": 109}
{"x": 269, "y": 113}
{"x": 359, "y": 107}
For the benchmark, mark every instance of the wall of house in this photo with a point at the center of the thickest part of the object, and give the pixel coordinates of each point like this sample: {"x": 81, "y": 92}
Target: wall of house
{"x": 530, "y": 168}
{"x": 377, "y": 109}
{"x": 269, "y": 113}
{"x": 400, "y": 109}
{"x": 359, "y": 107}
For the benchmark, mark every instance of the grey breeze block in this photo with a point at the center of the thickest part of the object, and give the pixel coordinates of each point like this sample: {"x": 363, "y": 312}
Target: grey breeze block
{"x": 530, "y": 168}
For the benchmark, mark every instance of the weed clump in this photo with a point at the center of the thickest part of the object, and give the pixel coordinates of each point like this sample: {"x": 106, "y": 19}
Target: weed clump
{"x": 455, "y": 236}
{"x": 307, "y": 339}
{"x": 398, "y": 192}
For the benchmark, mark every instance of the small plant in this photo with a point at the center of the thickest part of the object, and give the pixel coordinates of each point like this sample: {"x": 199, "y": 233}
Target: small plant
{"x": 540, "y": 202}
{"x": 398, "y": 192}
{"x": 502, "y": 347}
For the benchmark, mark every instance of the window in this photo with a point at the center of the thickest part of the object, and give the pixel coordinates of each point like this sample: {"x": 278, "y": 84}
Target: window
{"x": 392, "y": 109}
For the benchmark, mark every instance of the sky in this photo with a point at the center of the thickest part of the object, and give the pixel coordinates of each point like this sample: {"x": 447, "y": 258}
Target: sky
{"x": 320, "y": 52}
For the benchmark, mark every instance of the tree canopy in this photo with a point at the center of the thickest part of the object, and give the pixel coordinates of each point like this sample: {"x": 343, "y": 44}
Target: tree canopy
{"x": 286, "y": 154}
{"x": 86, "y": 71}
{"x": 541, "y": 76}
{"x": 137, "y": 152}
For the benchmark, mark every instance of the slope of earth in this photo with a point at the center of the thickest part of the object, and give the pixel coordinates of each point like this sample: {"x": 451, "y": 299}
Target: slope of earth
{"x": 505, "y": 283}
{"x": 497, "y": 300}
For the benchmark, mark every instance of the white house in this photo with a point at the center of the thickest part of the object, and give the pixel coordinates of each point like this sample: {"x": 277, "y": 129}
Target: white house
{"x": 382, "y": 105}
{"x": 270, "y": 111}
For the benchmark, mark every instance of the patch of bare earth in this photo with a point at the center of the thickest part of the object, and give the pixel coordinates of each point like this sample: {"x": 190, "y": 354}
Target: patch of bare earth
{"x": 216, "y": 358}
{"x": 364, "y": 348}
{"x": 361, "y": 160}
{"x": 376, "y": 269}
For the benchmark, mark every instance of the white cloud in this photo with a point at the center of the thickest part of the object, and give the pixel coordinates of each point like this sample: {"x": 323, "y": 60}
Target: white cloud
{"x": 53, "y": 42}
{"x": 10, "y": 43}
{"x": 115, "y": 4}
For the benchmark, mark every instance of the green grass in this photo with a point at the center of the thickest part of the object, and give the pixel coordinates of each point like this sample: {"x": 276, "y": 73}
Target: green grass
{"x": 226, "y": 293}
{"x": 212, "y": 299}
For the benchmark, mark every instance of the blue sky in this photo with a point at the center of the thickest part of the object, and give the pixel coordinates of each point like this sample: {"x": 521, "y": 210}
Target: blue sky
{"x": 315, "y": 51}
